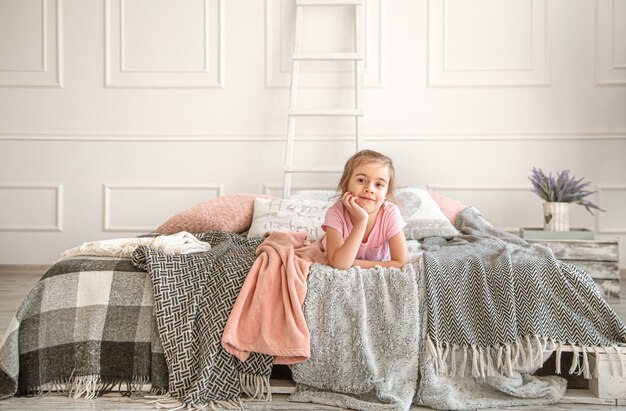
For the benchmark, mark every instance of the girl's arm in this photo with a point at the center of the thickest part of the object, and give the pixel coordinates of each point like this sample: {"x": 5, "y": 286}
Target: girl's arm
{"x": 341, "y": 254}
{"x": 398, "y": 250}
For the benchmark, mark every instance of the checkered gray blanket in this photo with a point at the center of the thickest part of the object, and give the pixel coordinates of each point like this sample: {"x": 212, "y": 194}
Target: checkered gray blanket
{"x": 88, "y": 325}
{"x": 194, "y": 294}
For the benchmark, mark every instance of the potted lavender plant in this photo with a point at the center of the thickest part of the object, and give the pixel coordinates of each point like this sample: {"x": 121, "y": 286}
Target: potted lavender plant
{"x": 558, "y": 193}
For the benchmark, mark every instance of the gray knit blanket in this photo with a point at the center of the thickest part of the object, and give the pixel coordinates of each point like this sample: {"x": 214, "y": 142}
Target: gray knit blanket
{"x": 364, "y": 327}
{"x": 84, "y": 328}
{"x": 193, "y": 296}
{"x": 497, "y": 302}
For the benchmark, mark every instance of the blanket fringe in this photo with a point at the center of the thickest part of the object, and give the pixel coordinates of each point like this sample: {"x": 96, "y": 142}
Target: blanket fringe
{"x": 475, "y": 371}
{"x": 559, "y": 350}
{"x": 92, "y": 386}
{"x": 170, "y": 403}
{"x": 255, "y": 386}
{"x": 85, "y": 385}
{"x": 462, "y": 374}
{"x": 585, "y": 370}
{"x": 525, "y": 352}
{"x": 431, "y": 351}
{"x": 158, "y": 391}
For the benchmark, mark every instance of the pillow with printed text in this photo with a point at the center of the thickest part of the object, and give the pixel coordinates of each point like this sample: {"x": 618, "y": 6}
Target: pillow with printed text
{"x": 288, "y": 215}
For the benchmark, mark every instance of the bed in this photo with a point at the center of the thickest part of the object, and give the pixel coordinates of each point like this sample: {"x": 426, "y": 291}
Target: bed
{"x": 465, "y": 324}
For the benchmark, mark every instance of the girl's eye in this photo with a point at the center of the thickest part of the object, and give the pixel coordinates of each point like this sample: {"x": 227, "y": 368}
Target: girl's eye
{"x": 380, "y": 185}
{"x": 360, "y": 180}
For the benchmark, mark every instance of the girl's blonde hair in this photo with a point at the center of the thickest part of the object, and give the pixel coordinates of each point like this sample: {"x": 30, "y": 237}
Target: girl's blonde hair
{"x": 364, "y": 157}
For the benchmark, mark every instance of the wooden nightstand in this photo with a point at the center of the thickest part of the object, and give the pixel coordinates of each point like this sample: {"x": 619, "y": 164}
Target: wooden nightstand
{"x": 599, "y": 258}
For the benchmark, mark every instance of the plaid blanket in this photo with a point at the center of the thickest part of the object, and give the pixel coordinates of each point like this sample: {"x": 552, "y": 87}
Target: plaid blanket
{"x": 498, "y": 301}
{"x": 194, "y": 294}
{"x": 87, "y": 324}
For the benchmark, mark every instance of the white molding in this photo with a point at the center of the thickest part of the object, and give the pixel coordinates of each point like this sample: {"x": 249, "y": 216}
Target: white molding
{"x": 211, "y": 77}
{"x": 44, "y": 77}
{"x": 480, "y": 187}
{"x": 221, "y": 75}
{"x": 57, "y": 226}
{"x": 381, "y": 43}
{"x": 484, "y": 187}
{"x": 272, "y": 188}
{"x": 44, "y": 39}
{"x": 598, "y": 215}
{"x": 276, "y": 76}
{"x": 219, "y": 188}
{"x": 439, "y": 76}
{"x": 246, "y": 136}
{"x": 608, "y": 73}
{"x": 517, "y": 187}
{"x": 60, "y": 40}
{"x": 206, "y": 50}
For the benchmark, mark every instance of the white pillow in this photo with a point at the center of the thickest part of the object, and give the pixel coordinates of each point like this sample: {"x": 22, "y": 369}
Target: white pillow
{"x": 422, "y": 215}
{"x": 288, "y": 215}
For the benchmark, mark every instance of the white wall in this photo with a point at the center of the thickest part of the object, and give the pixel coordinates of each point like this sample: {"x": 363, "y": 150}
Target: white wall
{"x": 116, "y": 114}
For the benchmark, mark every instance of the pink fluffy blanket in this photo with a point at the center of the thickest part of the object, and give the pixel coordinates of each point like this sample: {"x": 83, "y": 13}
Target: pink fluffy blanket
{"x": 267, "y": 316}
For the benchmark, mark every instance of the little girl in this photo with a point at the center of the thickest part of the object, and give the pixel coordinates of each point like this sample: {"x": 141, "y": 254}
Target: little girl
{"x": 364, "y": 229}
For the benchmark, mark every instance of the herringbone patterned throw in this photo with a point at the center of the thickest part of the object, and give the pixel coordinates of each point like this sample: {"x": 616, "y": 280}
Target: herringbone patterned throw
{"x": 193, "y": 295}
{"x": 497, "y": 302}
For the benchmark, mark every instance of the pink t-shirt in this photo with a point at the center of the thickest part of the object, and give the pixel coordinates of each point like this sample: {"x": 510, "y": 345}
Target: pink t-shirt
{"x": 388, "y": 223}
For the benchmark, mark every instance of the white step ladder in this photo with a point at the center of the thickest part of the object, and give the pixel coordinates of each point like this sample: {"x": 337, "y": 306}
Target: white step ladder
{"x": 356, "y": 56}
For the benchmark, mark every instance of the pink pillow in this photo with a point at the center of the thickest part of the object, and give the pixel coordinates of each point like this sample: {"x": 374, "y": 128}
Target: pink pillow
{"x": 449, "y": 206}
{"x": 229, "y": 213}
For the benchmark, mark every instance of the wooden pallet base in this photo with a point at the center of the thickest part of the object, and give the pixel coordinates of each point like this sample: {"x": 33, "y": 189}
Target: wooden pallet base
{"x": 282, "y": 386}
{"x": 609, "y": 388}
{"x": 574, "y": 396}
{"x": 612, "y": 383}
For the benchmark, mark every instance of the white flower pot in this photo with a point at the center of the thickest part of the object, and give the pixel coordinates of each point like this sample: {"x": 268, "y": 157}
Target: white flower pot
{"x": 556, "y": 216}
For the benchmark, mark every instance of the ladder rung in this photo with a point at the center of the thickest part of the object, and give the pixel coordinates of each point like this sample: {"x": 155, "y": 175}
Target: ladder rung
{"x": 336, "y": 112}
{"x": 315, "y": 169}
{"x": 329, "y": 2}
{"x": 327, "y": 56}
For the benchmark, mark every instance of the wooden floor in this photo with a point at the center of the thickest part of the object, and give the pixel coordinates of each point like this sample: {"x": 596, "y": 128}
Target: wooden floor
{"x": 15, "y": 282}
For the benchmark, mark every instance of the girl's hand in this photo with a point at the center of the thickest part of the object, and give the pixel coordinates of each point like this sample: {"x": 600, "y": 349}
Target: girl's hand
{"x": 357, "y": 212}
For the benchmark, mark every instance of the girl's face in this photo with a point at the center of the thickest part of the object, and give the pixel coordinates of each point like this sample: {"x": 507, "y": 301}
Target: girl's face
{"x": 369, "y": 183}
